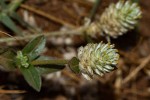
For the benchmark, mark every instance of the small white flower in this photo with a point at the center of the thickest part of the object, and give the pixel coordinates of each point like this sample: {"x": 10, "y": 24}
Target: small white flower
{"x": 97, "y": 59}
{"x": 117, "y": 19}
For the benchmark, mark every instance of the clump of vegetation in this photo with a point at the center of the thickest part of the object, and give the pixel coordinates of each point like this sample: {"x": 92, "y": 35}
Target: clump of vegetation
{"x": 92, "y": 59}
{"x": 95, "y": 59}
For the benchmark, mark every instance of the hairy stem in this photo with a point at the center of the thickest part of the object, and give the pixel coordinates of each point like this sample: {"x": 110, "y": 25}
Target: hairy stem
{"x": 52, "y": 62}
{"x": 77, "y": 31}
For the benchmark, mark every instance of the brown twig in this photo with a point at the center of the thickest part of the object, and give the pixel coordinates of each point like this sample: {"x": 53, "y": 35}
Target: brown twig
{"x": 46, "y": 15}
{"x": 70, "y": 12}
{"x": 7, "y": 34}
{"x": 11, "y": 91}
{"x": 136, "y": 70}
{"x": 137, "y": 92}
{"x": 118, "y": 79}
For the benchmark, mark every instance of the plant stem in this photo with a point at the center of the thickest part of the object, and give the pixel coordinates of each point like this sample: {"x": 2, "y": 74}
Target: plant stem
{"x": 77, "y": 31}
{"x": 94, "y": 9}
{"x": 52, "y": 62}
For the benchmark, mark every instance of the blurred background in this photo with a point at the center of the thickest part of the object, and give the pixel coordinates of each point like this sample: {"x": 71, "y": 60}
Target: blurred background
{"x": 131, "y": 81}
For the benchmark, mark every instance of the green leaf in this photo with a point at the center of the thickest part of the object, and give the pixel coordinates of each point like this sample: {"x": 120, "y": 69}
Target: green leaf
{"x": 137, "y": 1}
{"x": 15, "y": 16}
{"x": 19, "y": 19}
{"x": 34, "y": 47}
{"x": 13, "y": 5}
{"x": 7, "y": 59}
{"x": 45, "y": 69}
{"x": 32, "y": 76}
{"x": 94, "y": 9}
{"x": 6, "y": 20}
{"x": 74, "y": 65}
{"x": 3, "y": 4}
{"x": 29, "y": 72}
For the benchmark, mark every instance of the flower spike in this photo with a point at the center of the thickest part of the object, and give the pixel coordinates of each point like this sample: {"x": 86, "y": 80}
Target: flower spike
{"x": 97, "y": 59}
{"x": 117, "y": 19}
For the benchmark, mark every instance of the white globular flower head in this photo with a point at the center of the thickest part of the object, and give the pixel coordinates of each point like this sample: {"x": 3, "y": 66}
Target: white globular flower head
{"x": 117, "y": 19}
{"x": 97, "y": 59}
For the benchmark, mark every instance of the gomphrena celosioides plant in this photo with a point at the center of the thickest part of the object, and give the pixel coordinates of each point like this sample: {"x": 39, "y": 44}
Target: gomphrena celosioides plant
{"x": 117, "y": 19}
{"x": 97, "y": 59}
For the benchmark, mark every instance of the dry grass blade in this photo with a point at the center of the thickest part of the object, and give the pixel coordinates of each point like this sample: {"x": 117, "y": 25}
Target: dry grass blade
{"x": 11, "y": 91}
{"x": 135, "y": 72}
{"x": 77, "y": 31}
{"x": 7, "y": 34}
{"x": 137, "y": 92}
{"x": 48, "y": 16}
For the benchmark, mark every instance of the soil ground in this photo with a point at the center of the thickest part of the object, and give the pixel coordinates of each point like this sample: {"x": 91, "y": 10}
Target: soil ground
{"x": 134, "y": 48}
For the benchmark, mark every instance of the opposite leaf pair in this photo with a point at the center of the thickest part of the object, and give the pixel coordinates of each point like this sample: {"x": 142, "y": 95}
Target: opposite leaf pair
{"x": 92, "y": 60}
{"x": 24, "y": 58}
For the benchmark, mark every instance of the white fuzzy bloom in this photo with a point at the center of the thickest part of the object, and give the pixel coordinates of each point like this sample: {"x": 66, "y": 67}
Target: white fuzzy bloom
{"x": 97, "y": 59}
{"x": 117, "y": 19}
